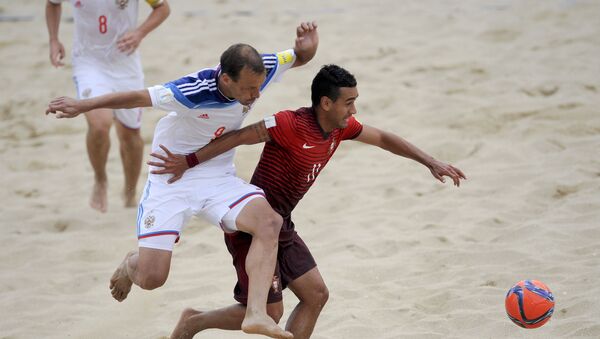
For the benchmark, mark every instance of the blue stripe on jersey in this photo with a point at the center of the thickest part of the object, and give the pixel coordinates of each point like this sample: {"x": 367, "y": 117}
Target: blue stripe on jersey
{"x": 203, "y": 99}
{"x": 271, "y": 63}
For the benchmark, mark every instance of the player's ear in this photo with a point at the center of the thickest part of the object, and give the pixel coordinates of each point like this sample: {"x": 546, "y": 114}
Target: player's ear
{"x": 227, "y": 80}
{"x": 325, "y": 103}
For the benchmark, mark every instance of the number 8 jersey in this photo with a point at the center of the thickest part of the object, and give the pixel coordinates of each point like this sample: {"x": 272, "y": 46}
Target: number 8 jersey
{"x": 98, "y": 26}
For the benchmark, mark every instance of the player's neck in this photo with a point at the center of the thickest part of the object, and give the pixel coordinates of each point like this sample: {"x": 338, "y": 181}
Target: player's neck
{"x": 223, "y": 89}
{"x": 326, "y": 127}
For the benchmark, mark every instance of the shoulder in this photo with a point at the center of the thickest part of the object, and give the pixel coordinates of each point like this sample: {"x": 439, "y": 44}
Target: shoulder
{"x": 196, "y": 88}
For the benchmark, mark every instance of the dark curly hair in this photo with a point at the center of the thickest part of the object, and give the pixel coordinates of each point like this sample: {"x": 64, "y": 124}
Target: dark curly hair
{"x": 328, "y": 82}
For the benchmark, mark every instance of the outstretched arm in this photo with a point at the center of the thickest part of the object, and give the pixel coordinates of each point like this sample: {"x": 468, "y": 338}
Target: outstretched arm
{"x": 307, "y": 41}
{"x": 65, "y": 107}
{"x": 130, "y": 41}
{"x": 177, "y": 164}
{"x": 57, "y": 50}
{"x": 395, "y": 144}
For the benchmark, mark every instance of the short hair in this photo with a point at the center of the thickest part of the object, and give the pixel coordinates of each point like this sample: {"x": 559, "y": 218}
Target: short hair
{"x": 328, "y": 82}
{"x": 237, "y": 56}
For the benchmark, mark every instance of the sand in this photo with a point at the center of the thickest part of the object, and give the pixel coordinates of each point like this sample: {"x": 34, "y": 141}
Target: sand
{"x": 508, "y": 91}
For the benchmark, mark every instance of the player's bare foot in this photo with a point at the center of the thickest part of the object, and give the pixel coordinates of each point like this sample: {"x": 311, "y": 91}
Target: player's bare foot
{"x": 120, "y": 284}
{"x": 99, "y": 200}
{"x": 185, "y": 329}
{"x": 129, "y": 198}
{"x": 265, "y": 326}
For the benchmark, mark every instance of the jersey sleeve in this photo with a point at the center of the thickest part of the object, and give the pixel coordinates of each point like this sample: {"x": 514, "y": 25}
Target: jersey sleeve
{"x": 353, "y": 129}
{"x": 281, "y": 127}
{"x": 276, "y": 64}
{"x": 154, "y": 3}
{"x": 163, "y": 98}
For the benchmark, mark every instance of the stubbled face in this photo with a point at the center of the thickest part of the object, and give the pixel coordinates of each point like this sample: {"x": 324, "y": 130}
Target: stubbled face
{"x": 247, "y": 87}
{"x": 343, "y": 108}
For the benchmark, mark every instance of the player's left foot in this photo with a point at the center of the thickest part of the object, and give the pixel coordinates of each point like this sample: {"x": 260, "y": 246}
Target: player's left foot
{"x": 264, "y": 325}
{"x": 99, "y": 200}
{"x": 185, "y": 330}
{"x": 120, "y": 283}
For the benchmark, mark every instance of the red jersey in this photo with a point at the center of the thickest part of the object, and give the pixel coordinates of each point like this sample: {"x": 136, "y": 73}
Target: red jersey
{"x": 298, "y": 151}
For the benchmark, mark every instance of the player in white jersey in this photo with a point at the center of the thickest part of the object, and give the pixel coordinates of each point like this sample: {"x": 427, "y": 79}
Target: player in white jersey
{"x": 105, "y": 60}
{"x": 203, "y": 106}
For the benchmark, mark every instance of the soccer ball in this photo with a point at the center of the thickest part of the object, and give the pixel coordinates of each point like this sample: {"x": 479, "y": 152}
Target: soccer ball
{"x": 529, "y": 303}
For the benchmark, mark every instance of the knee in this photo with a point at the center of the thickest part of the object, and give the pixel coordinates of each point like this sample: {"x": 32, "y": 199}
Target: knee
{"x": 275, "y": 311}
{"x": 270, "y": 226}
{"x": 318, "y": 297}
{"x": 130, "y": 136}
{"x": 99, "y": 126}
{"x": 153, "y": 280}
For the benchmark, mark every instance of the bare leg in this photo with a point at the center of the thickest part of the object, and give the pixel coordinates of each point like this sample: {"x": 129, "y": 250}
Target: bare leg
{"x": 313, "y": 294}
{"x": 148, "y": 268}
{"x": 193, "y": 321}
{"x": 258, "y": 219}
{"x": 131, "y": 148}
{"x": 98, "y": 144}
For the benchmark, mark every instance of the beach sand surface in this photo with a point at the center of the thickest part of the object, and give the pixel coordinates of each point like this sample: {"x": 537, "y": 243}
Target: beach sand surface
{"x": 506, "y": 90}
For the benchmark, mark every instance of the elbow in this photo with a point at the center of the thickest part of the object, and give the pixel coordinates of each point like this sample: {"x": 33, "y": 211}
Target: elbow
{"x": 165, "y": 9}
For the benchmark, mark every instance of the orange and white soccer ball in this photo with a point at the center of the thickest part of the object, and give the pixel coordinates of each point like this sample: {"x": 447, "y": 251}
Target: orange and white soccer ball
{"x": 529, "y": 303}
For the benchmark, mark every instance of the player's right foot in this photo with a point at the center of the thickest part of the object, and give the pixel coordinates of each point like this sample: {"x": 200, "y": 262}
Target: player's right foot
{"x": 264, "y": 325}
{"x": 99, "y": 200}
{"x": 120, "y": 284}
{"x": 184, "y": 330}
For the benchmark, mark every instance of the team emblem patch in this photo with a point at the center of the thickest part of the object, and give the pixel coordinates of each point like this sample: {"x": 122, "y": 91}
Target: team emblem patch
{"x": 275, "y": 285}
{"x": 86, "y": 93}
{"x": 122, "y": 3}
{"x": 149, "y": 221}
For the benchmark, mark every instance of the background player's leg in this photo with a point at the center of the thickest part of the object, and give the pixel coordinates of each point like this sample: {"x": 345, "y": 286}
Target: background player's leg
{"x": 193, "y": 321}
{"x": 258, "y": 219}
{"x": 313, "y": 294}
{"x": 98, "y": 144}
{"x": 132, "y": 148}
{"x": 148, "y": 268}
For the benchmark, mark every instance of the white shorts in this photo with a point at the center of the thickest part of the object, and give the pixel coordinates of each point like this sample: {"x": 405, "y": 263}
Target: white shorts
{"x": 165, "y": 208}
{"x": 91, "y": 82}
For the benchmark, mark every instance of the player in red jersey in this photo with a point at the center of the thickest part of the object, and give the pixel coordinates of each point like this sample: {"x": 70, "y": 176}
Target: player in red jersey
{"x": 298, "y": 146}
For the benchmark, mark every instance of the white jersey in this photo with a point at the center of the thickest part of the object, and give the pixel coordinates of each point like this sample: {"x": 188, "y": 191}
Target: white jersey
{"x": 98, "y": 26}
{"x": 201, "y": 113}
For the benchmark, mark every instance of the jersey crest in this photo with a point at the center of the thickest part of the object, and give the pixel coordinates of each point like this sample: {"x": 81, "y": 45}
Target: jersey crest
{"x": 122, "y": 3}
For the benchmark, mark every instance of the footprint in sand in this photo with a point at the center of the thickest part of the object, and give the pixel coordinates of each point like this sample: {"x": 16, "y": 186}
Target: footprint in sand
{"x": 500, "y": 35}
{"x": 563, "y": 191}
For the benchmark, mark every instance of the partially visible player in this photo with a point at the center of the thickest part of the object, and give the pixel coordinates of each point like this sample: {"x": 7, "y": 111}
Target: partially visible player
{"x": 203, "y": 106}
{"x": 298, "y": 146}
{"x": 105, "y": 60}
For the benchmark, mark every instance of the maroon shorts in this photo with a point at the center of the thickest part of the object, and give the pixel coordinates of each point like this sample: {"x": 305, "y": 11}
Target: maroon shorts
{"x": 293, "y": 260}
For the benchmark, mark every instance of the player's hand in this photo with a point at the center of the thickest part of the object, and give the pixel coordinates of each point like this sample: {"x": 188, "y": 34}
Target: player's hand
{"x": 440, "y": 169}
{"x": 65, "y": 107}
{"x": 129, "y": 42}
{"x": 57, "y": 53}
{"x": 307, "y": 38}
{"x": 174, "y": 164}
